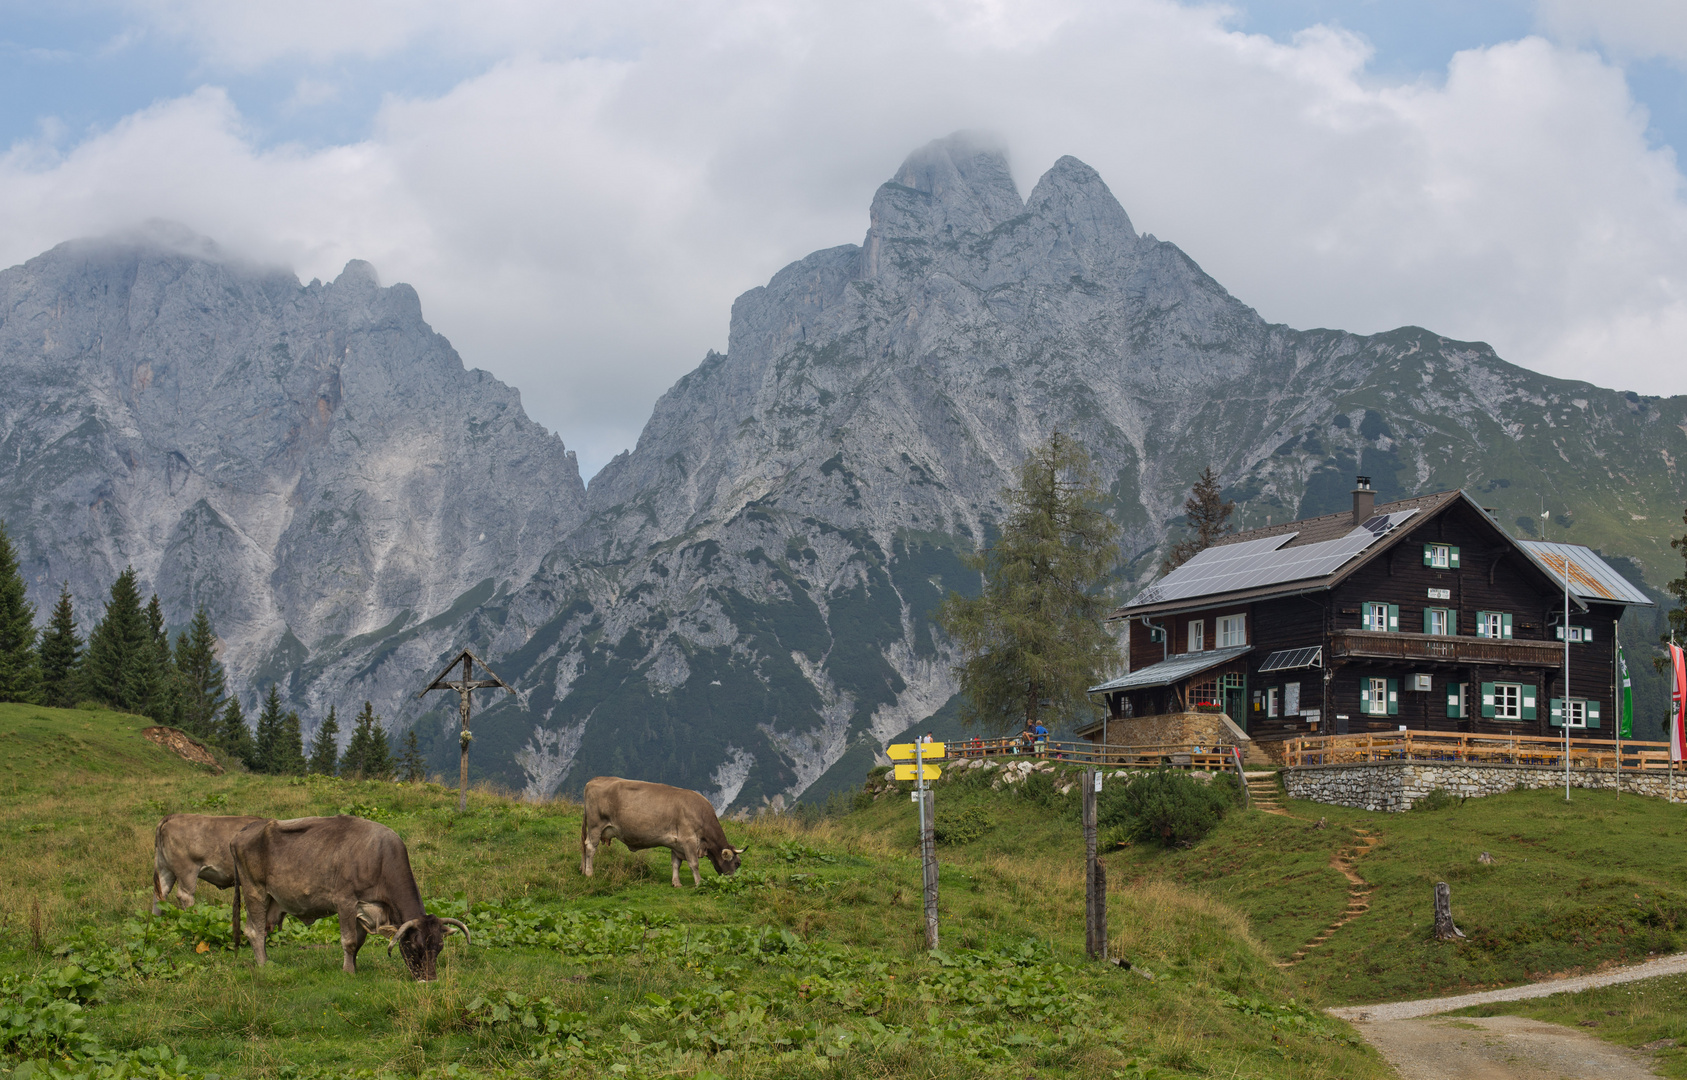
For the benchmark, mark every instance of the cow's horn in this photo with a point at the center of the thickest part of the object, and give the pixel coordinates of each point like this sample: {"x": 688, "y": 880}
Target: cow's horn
{"x": 743, "y": 849}
{"x": 398, "y": 937}
{"x": 458, "y": 923}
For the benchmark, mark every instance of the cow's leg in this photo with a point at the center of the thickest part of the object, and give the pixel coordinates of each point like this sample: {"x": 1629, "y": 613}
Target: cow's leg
{"x": 187, "y": 880}
{"x": 256, "y": 926}
{"x": 352, "y": 936}
{"x": 675, "y": 854}
{"x": 162, "y": 880}
{"x": 588, "y": 848}
{"x": 691, "y": 861}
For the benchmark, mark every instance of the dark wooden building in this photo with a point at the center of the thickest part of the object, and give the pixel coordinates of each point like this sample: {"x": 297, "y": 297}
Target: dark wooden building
{"x": 1420, "y": 614}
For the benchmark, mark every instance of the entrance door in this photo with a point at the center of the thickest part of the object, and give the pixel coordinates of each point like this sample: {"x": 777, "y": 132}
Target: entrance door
{"x": 1235, "y": 699}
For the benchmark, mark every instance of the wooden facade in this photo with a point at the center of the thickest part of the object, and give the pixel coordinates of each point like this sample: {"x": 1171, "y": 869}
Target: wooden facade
{"x": 1410, "y": 618}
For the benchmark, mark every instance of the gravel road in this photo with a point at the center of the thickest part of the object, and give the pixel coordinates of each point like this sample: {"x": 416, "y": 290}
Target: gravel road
{"x": 1406, "y": 1010}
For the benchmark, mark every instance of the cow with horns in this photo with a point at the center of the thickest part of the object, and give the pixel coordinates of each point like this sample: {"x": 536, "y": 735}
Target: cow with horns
{"x": 359, "y": 870}
{"x": 645, "y": 815}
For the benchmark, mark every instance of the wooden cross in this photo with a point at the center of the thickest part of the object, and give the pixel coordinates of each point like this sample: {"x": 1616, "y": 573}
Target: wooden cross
{"x": 464, "y": 686}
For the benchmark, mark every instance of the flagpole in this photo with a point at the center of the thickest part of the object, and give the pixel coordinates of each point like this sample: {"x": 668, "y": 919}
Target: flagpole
{"x": 1566, "y": 629}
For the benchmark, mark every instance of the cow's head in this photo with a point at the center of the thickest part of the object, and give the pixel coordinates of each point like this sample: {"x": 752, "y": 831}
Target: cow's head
{"x": 726, "y": 859}
{"x": 419, "y": 942}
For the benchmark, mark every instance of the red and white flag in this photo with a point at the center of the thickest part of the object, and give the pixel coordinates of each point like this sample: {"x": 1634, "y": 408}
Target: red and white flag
{"x": 1677, "y": 704}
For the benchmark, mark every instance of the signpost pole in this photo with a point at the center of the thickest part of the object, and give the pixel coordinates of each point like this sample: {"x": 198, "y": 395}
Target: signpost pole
{"x": 928, "y": 846}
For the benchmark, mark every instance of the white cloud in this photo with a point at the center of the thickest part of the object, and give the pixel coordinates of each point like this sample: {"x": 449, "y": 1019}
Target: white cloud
{"x": 1633, "y": 28}
{"x": 579, "y": 214}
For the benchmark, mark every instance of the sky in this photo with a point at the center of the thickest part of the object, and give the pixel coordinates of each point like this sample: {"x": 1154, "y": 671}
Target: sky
{"x": 579, "y": 190}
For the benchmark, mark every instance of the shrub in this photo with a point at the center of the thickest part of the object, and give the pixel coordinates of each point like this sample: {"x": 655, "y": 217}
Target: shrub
{"x": 1439, "y": 799}
{"x": 961, "y": 827}
{"x": 1171, "y": 808}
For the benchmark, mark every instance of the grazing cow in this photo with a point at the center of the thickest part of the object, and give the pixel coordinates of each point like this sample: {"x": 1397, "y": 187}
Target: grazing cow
{"x": 346, "y": 866}
{"x": 189, "y": 847}
{"x": 644, "y": 815}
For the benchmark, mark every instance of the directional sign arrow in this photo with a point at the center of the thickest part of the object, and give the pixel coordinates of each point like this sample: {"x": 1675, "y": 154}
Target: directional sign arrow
{"x": 912, "y": 772}
{"x": 905, "y": 751}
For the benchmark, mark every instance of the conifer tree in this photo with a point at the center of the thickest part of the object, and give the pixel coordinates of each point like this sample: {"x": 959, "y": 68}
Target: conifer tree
{"x": 267, "y": 744}
{"x": 204, "y": 686}
{"x": 155, "y": 675}
{"x": 235, "y": 737}
{"x": 1208, "y": 513}
{"x": 20, "y": 674}
{"x": 61, "y": 656}
{"x": 325, "y": 748}
{"x": 290, "y": 748}
{"x": 1032, "y": 639}
{"x": 120, "y": 643}
{"x": 368, "y": 754}
{"x": 412, "y": 768}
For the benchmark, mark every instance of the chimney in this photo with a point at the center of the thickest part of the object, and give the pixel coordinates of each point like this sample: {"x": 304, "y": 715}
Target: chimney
{"x": 1364, "y": 500}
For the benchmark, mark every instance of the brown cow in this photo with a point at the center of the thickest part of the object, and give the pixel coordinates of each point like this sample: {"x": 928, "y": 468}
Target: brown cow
{"x": 644, "y": 815}
{"x": 188, "y": 848}
{"x": 345, "y": 866}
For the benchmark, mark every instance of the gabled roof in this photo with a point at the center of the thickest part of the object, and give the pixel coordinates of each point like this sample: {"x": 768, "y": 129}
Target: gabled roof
{"x": 1317, "y": 553}
{"x": 1592, "y": 579}
{"x": 1179, "y": 666}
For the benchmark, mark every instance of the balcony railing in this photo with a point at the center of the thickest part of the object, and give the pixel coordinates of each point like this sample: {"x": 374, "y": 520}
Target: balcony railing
{"x": 1208, "y": 756}
{"x": 1476, "y": 749}
{"x": 1436, "y": 649}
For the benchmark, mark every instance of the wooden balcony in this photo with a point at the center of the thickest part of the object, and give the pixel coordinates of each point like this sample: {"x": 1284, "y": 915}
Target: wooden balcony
{"x": 1435, "y": 649}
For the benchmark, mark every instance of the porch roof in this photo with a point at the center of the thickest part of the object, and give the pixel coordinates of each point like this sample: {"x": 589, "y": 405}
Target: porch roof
{"x": 1171, "y": 670}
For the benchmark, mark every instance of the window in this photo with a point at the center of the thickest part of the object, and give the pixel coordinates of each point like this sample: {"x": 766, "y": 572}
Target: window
{"x": 1291, "y": 699}
{"x": 1379, "y": 697}
{"x": 1578, "y": 712}
{"x": 1493, "y": 624}
{"x": 1438, "y": 621}
{"x": 1271, "y": 702}
{"x": 1197, "y": 635}
{"x": 1232, "y": 630}
{"x": 1508, "y": 701}
{"x": 1205, "y": 693}
{"x": 1382, "y": 617}
{"x": 1441, "y": 556}
{"x": 1577, "y": 633}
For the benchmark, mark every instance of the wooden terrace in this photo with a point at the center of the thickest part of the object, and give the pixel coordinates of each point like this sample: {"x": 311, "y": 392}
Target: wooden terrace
{"x": 1445, "y": 747}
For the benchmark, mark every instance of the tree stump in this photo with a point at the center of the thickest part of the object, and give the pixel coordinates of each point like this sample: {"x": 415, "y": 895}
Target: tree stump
{"x": 1444, "y": 928}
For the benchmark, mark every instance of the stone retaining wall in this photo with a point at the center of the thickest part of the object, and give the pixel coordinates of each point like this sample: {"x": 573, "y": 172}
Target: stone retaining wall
{"x": 1396, "y": 786}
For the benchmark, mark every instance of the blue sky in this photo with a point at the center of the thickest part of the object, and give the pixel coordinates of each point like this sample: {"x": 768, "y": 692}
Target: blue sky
{"x": 578, "y": 191}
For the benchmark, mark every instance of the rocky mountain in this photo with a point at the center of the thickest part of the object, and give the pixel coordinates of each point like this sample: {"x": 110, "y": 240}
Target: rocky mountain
{"x": 742, "y": 603}
{"x": 312, "y": 462}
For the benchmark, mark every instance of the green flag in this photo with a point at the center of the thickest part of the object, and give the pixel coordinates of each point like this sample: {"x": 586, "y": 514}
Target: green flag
{"x": 1625, "y": 707}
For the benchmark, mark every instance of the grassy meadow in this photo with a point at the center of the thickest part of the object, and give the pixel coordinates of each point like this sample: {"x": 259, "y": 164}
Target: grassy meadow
{"x": 807, "y": 963}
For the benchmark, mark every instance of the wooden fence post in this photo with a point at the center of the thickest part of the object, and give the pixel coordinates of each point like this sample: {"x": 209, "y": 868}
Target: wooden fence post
{"x": 1095, "y": 916}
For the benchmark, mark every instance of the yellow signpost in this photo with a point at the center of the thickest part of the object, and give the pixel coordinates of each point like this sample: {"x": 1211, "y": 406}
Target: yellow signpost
{"x": 930, "y": 751}
{"x": 928, "y": 773}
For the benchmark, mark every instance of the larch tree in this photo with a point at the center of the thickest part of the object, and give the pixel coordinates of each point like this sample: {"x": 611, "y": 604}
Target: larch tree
{"x": 325, "y": 747}
{"x": 290, "y": 748}
{"x": 235, "y": 737}
{"x": 368, "y": 754}
{"x": 412, "y": 767}
{"x": 267, "y": 742}
{"x": 1208, "y": 514}
{"x": 204, "y": 686}
{"x": 1033, "y": 640}
{"x": 61, "y": 656}
{"x": 156, "y": 677}
{"x": 20, "y": 671}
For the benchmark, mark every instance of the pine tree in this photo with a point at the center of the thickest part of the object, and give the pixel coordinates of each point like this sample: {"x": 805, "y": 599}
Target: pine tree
{"x": 411, "y": 766}
{"x": 235, "y": 737}
{"x": 1208, "y": 513}
{"x": 155, "y": 675}
{"x": 368, "y": 754}
{"x": 120, "y": 644}
{"x": 290, "y": 748}
{"x": 267, "y": 744}
{"x": 203, "y": 684}
{"x": 324, "y": 748}
{"x": 1033, "y": 639}
{"x": 61, "y": 656}
{"x": 20, "y": 673}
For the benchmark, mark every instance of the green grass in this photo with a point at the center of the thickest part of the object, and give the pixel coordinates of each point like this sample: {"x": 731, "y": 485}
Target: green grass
{"x": 808, "y": 963}
{"x": 1600, "y": 880}
{"x": 1631, "y": 1014}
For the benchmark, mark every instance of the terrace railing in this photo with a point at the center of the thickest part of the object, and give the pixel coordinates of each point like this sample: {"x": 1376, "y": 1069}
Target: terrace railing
{"x": 1430, "y": 746}
{"x": 1208, "y": 756}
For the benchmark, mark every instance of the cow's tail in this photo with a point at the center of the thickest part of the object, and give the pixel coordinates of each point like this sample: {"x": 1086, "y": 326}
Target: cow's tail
{"x": 234, "y": 924}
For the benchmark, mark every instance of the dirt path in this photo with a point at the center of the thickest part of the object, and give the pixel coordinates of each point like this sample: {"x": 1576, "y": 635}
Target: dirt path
{"x": 1406, "y": 1010}
{"x": 1499, "y": 1048}
{"x": 1358, "y": 893}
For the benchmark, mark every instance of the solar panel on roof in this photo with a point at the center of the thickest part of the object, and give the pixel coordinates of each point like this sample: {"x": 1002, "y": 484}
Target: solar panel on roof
{"x": 1251, "y": 564}
{"x": 1290, "y": 659}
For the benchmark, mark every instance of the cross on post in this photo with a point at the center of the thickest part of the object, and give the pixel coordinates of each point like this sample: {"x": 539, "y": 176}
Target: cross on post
{"x": 465, "y": 685}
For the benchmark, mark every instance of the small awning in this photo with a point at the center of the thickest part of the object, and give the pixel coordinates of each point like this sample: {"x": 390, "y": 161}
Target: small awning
{"x": 1169, "y": 671}
{"x": 1289, "y": 659}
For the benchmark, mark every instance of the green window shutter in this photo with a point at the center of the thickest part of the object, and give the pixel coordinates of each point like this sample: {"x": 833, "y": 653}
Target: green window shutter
{"x": 1365, "y": 696}
{"x": 1487, "y": 699}
{"x": 1426, "y": 612}
{"x": 1481, "y": 624}
{"x": 1453, "y": 558}
{"x": 1587, "y": 633}
{"x": 1560, "y": 633}
{"x": 1529, "y": 703}
{"x": 1393, "y": 696}
{"x": 1429, "y": 554}
{"x": 1556, "y": 718}
{"x": 1593, "y": 714}
{"x": 1394, "y": 616}
{"x": 1505, "y": 626}
{"x": 1453, "y": 700}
